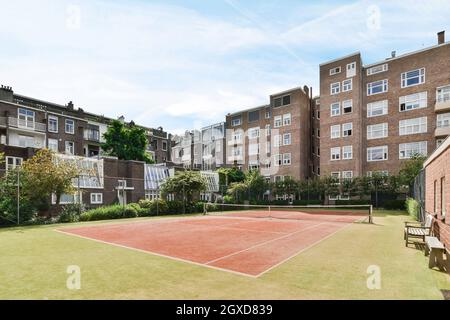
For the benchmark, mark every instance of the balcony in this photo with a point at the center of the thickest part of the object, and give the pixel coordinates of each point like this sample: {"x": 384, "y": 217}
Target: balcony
{"x": 442, "y": 99}
{"x": 26, "y": 125}
{"x": 442, "y": 131}
{"x": 3, "y": 121}
{"x": 92, "y": 135}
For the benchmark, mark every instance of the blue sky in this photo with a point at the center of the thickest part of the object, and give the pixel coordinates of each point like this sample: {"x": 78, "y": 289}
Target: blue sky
{"x": 185, "y": 64}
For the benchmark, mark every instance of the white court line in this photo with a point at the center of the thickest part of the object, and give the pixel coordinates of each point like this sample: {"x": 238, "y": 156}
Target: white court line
{"x": 156, "y": 254}
{"x": 263, "y": 243}
{"x": 302, "y": 250}
{"x": 207, "y": 264}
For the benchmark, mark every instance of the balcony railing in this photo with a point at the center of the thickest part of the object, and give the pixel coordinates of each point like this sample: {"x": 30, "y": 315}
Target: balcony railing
{"x": 92, "y": 135}
{"x": 28, "y": 125}
{"x": 442, "y": 99}
{"x": 442, "y": 131}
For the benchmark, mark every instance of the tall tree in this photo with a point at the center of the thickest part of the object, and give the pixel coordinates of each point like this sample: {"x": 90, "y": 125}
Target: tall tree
{"x": 44, "y": 176}
{"x": 127, "y": 142}
{"x": 184, "y": 183}
{"x": 410, "y": 169}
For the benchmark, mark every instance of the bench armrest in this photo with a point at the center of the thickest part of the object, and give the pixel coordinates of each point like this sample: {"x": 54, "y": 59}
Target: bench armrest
{"x": 412, "y": 223}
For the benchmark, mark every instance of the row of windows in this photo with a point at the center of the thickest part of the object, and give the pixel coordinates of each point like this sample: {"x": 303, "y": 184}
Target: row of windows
{"x": 27, "y": 119}
{"x": 279, "y": 121}
{"x": 406, "y": 127}
{"x": 347, "y": 130}
{"x": 379, "y": 108}
{"x": 380, "y": 153}
{"x": 407, "y": 79}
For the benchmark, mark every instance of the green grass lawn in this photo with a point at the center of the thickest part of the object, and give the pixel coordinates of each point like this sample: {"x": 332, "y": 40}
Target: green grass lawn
{"x": 33, "y": 262}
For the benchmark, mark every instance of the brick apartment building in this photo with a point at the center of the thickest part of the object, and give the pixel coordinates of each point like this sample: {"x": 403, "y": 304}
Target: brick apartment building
{"x": 273, "y": 138}
{"x": 374, "y": 116}
{"x": 437, "y": 190}
{"x": 28, "y": 124}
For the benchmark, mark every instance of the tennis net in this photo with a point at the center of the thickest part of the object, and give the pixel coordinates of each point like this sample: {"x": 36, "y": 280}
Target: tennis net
{"x": 333, "y": 213}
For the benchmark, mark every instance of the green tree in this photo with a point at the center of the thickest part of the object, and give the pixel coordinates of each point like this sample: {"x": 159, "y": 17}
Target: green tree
{"x": 252, "y": 188}
{"x": 409, "y": 171}
{"x": 330, "y": 186}
{"x": 288, "y": 186}
{"x": 184, "y": 185}
{"x": 8, "y": 200}
{"x": 127, "y": 142}
{"x": 43, "y": 176}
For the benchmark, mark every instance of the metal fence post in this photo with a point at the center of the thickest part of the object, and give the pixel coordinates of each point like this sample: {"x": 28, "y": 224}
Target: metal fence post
{"x": 18, "y": 197}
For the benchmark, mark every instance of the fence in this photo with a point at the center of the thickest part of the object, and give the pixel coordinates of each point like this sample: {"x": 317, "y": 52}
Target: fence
{"x": 419, "y": 193}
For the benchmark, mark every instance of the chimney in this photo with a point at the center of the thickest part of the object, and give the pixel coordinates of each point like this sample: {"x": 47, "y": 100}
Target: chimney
{"x": 70, "y": 105}
{"x": 441, "y": 37}
{"x": 393, "y": 53}
{"x": 6, "y": 93}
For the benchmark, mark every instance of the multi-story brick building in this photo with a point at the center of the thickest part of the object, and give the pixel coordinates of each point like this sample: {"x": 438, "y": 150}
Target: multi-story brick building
{"x": 28, "y": 124}
{"x": 273, "y": 138}
{"x": 374, "y": 116}
{"x": 32, "y": 123}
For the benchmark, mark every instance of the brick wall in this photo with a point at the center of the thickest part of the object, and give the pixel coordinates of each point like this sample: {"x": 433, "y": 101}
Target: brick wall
{"x": 436, "y": 170}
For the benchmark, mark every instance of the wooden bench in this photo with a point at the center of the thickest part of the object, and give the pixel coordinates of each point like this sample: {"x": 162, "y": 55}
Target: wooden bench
{"x": 436, "y": 250}
{"x": 418, "y": 230}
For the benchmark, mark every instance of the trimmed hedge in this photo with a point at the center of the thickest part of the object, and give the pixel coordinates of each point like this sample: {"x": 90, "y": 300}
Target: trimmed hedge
{"x": 110, "y": 212}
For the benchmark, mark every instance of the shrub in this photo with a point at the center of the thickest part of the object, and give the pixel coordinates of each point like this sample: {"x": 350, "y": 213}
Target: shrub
{"x": 412, "y": 207}
{"x": 394, "y": 204}
{"x": 145, "y": 203}
{"x": 131, "y": 210}
{"x": 175, "y": 207}
{"x": 70, "y": 213}
{"x": 109, "y": 212}
{"x": 228, "y": 199}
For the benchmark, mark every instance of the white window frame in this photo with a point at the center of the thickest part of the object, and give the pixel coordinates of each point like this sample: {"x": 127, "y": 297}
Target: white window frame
{"x": 278, "y": 160}
{"x": 384, "y": 151}
{"x": 335, "y": 70}
{"x": 347, "y": 85}
{"x": 377, "y": 69}
{"x": 277, "y": 140}
{"x": 287, "y": 119}
{"x": 287, "y": 136}
{"x": 335, "y": 154}
{"x": 26, "y": 118}
{"x": 335, "y": 88}
{"x": 66, "y": 144}
{"x": 277, "y": 121}
{"x": 372, "y": 129}
{"x": 346, "y": 127}
{"x": 17, "y": 162}
{"x": 56, "y": 119}
{"x": 384, "y": 84}
{"x": 236, "y": 122}
{"x": 443, "y": 120}
{"x": 253, "y": 133}
{"x": 373, "y": 107}
{"x": 413, "y": 101}
{"x": 335, "y": 109}
{"x": 96, "y": 198}
{"x": 57, "y": 144}
{"x": 443, "y": 94}
{"x": 287, "y": 159}
{"x": 347, "y": 152}
{"x": 407, "y": 150}
{"x": 67, "y": 125}
{"x": 405, "y": 77}
{"x": 347, "y": 174}
{"x": 413, "y": 126}
{"x": 347, "y": 104}
{"x": 335, "y": 131}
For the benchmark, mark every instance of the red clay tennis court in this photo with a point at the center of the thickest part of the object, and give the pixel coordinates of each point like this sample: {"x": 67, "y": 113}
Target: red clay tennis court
{"x": 248, "y": 242}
